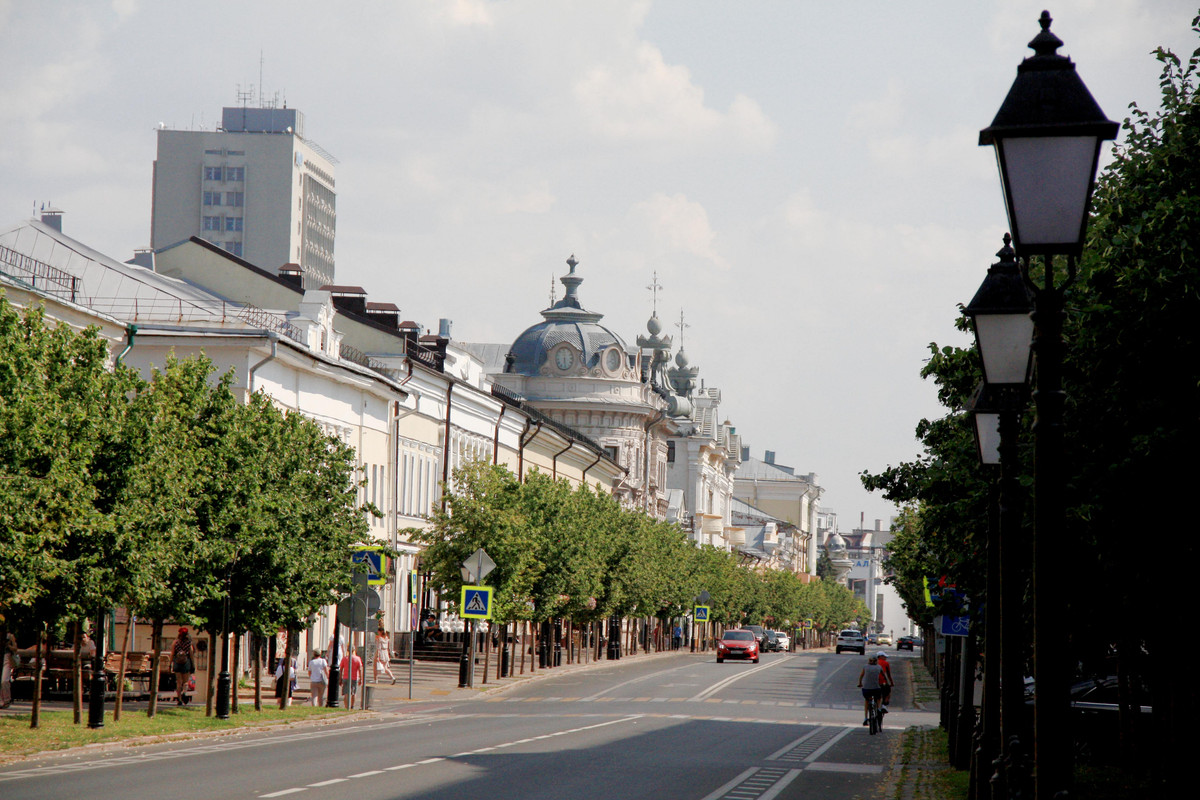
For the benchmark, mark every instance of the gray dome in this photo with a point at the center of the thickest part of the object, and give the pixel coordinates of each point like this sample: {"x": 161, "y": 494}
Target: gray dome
{"x": 565, "y": 321}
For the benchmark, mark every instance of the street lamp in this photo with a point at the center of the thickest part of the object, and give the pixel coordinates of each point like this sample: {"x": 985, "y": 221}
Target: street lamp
{"x": 1000, "y": 318}
{"x": 1047, "y": 134}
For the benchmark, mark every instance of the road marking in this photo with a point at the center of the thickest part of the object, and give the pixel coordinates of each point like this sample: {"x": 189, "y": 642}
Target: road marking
{"x": 330, "y": 782}
{"x": 830, "y": 766}
{"x": 219, "y": 747}
{"x": 719, "y": 685}
{"x": 597, "y": 695}
{"x": 437, "y": 759}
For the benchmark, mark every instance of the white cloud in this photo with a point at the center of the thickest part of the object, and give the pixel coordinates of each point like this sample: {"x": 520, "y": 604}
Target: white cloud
{"x": 640, "y": 98}
{"x": 678, "y": 225}
{"x": 465, "y": 12}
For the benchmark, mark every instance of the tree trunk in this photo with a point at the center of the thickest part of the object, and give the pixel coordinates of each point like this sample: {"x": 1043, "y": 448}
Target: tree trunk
{"x": 77, "y": 673}
{"x": 212, "y": 673}
{"x": 155, "y": 659}
{"x": 237, "y": 672}
{"x": 256, "y": 665}
{"x": 38, "y": 660}
{"x": 121, "y": 669}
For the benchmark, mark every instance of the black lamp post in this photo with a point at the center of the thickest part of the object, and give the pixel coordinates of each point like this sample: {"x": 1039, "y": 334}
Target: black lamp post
{"x": 1047, "y": 134}
{"x": 1000, "y": 317}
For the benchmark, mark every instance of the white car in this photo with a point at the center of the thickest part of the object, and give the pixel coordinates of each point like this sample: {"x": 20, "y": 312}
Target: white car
{"x": 785, "y": 641}
{"x": 851, "y": 639}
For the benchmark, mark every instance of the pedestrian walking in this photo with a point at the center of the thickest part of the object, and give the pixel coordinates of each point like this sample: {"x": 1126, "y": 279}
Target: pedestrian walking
{"x": 352, "y": 668}
{"x": 676, "y": 638}
{"x": 285, "y": 679}
{"x": 318, "y": 677}
{"x": 183, "y": 665}
{"x": 383, "y": 655}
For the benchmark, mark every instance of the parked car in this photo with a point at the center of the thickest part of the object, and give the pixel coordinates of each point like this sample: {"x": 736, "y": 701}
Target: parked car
{"x": 851, "y": 639}
{"x": 905, "y": 643}
{"x": 738, "y": 644}
{"x": 1095, "y": 717}
{"x": 771, "y": 642}
{"x": 759, "y": 632}
{"x": 785, "y": 641}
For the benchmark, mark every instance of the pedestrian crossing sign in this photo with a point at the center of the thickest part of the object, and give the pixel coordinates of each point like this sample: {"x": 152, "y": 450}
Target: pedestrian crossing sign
{"x": 475, "y": 602}
{"x": 701, "y": 613}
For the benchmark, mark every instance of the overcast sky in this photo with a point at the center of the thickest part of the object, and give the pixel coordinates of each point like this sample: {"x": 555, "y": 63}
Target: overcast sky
{"x": 803, "y": 176}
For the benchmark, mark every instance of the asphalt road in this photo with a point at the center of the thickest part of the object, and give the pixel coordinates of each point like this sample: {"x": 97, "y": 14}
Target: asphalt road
{"x": 672, "y": 726}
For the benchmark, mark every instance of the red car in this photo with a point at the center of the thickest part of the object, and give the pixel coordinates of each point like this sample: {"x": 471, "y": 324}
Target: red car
{"x": 738, "y": 644}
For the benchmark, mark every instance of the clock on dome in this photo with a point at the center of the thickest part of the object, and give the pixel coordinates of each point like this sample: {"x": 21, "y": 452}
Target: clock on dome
{"x": 612, "y": 360}
{"x": 564, "y": 358}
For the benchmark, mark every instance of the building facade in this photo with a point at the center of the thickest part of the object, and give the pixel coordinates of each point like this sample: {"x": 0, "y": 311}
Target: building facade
{"x": 254, "y": 187}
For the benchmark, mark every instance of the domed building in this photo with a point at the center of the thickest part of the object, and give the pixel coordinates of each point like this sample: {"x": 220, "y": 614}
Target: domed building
{"x": 581, "y": 374}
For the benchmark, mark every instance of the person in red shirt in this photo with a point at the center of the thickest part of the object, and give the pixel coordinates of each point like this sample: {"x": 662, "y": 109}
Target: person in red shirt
{"x": 351, "y": 667}
{"x": 885, "y": 682}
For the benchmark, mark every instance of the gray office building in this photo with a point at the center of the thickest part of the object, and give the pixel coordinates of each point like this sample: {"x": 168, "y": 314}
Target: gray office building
{"x": 255, "y": 187}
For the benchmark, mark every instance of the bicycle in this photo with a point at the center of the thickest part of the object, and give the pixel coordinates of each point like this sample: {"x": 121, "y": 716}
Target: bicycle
{"x": 874, "y": 715}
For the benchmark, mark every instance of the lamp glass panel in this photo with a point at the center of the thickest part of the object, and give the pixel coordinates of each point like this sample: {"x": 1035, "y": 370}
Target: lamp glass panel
{"x": 1005, "y": 341}
{"x": 987, "y": 436}
{"x": 1048, "y": 179}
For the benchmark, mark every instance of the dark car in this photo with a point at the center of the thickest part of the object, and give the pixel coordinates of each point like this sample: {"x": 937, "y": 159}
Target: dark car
{"x": 905, "y": 643}
{"x": 771, "y": 642}
{"x": 738, "y": 644}
{"x": 1095, "y": 717}
{"x": 760, "y": 633}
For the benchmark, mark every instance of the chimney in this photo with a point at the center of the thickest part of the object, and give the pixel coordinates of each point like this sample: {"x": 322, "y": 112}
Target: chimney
{"x": 53, "y": 218}
{"x": 292, "y": 274}
{"x": 745, "y": 452}
{"x": 386, "y": 314}
{"x": 769, "y": 457}
{"x": 349, "y": 299}
{"x": 142, "y": 257}
{"x": 444, "y": 328}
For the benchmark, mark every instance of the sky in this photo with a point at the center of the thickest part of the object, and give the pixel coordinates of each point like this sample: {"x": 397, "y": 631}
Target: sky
{"x": 804, "y": 178}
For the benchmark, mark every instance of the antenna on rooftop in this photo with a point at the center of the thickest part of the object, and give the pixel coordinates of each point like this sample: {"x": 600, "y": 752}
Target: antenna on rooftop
{"x": 552, "y": 289}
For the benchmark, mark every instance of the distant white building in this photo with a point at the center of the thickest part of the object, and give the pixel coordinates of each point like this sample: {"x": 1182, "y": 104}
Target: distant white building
{"x": 254, "y": 187}
{"x": 777, "y": 490}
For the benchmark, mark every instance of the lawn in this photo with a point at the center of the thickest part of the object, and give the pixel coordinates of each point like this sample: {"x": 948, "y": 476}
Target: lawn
{"x": 56, "y": 730}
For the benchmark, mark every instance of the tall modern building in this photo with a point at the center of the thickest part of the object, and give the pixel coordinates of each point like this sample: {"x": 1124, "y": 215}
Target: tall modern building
{"x": 255, "y": 187}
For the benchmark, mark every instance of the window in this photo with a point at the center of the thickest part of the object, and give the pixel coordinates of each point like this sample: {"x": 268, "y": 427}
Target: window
{"x": 232, "y": 224}
{"x": 670, "y": 452}
{"x": 612, "y": 451}
{"x": 212, "y": 223}
{"x": 212, "y": 173}
{"x": 233, "y": 247}
{"x": 235, "y": 173}
{"x": 233, "y": 199}
{"x": 212, "y": 198}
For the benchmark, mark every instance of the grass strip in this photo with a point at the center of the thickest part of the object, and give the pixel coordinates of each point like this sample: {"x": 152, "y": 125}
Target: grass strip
{"x": 57, "y": 731}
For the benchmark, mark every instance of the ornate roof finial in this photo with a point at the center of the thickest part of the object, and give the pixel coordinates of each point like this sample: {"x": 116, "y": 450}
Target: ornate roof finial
{"x": 571, "y": 262}
{"x": 1006, "y": 253}
{"x": 682, "y": 327}
{"x": 654, "y": 288}
{"x": 1045, "y": 43}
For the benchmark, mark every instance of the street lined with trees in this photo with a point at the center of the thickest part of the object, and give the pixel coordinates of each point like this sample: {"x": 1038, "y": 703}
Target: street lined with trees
{"x": 578, "y": 555}
{"x": 165, "y": 495}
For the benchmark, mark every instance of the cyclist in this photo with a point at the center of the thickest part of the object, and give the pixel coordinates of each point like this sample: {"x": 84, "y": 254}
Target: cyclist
{"x": 870, "y": 680}
{"x": 885, "y": 682}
